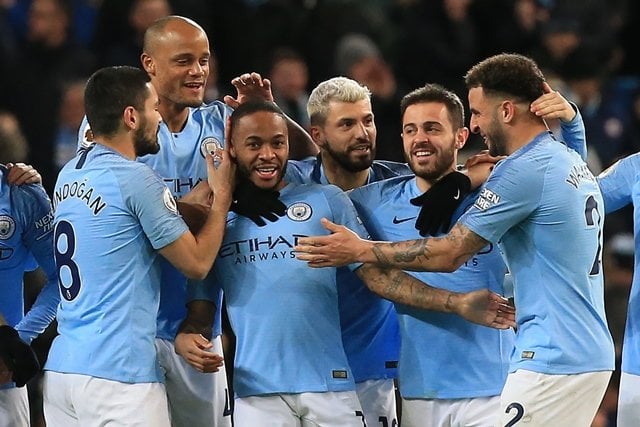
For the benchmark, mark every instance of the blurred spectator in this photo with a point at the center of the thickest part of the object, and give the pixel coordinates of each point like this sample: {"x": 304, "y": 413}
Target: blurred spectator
{"x": 13, "y": 145}
{"x": 70, "y": 118}
{"x": 438, "y": 43}
{"x": 127, "y": 48}
{"x": 605, "y": 104}
{"x": 35, "y": 80}
{"x": 358, "y": 57}
{"x": 289, "y": 77}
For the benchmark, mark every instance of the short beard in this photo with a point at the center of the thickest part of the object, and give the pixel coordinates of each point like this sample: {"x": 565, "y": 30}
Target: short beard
{"x": 143, "y": 145}
{"x": 346, "y": 163}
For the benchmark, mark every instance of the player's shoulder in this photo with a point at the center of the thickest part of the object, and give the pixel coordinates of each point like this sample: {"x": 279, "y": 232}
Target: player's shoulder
{"x": 384, "y": 169}
{"x": 381, "y": 189}
{"x": 215, "y": 109}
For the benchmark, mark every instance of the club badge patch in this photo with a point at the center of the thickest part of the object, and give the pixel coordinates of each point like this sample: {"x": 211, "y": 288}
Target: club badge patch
{"x": 7, "y": 227}
{"x": 169, "y": 201}
{"x": 87, "y": 137}
{"x": 209, "y": 145}
{"x": 299, "y": 212}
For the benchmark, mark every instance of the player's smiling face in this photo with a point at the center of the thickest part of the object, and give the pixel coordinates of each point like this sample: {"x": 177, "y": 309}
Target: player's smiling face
{"x": 260, "y": 146}
{"x": 429, "y": 140}
{"x": 179, "y": 64}
{"x": 484, "y": 120}
{"x": 349, "y": 134}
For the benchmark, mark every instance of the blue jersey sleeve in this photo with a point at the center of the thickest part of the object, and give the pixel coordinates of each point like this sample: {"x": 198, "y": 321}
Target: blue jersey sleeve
{"x": 510, "y": 194}
{"x": 617, "y": 182}
{"x": 34, "y": 212}
{"x": 206, "y": 289}
{"x": 154, "y": 205}
{"x": 573, "y": 134}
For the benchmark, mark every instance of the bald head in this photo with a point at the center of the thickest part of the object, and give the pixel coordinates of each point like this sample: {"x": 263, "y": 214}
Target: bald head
{"x": 168, "y": 28}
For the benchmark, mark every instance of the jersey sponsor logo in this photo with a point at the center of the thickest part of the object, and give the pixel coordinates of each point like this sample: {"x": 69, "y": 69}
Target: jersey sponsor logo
{"x": 181, "y": 186}
{"x": 169, "y": 201}
{"x": 486, "y": 199}
{"x": 260, "y": 249}
{"x": 299, "y": 212}
{"x": 580, "y": 174}
{"x": 527, "y": 354}
{"x": 44, "y": 224}
{"x": 209, "y": 145}
{"x": 87, "y": 137}
{"x": 7, "y": 227}
{"x": 397, "y": 220}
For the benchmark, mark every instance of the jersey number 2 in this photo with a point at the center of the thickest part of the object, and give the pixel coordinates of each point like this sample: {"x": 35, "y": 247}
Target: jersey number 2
{"x": 590, "y": 207}
{"x": 68, "y": 272}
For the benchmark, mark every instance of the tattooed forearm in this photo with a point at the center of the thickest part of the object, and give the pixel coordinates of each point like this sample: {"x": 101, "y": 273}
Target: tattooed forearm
{"x": 445, "y": 253}
{"x": 398, "y": 286}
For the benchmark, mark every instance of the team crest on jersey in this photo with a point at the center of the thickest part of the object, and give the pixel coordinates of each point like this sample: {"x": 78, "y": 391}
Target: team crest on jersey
{"x": 486, "y": 199}
{"x": 87, "y": 137}
{"x": 299, "y": 211}
{"x": 209, "y": 145}
{"x": 169, "y": 201}
{"x": 7, "y": 227}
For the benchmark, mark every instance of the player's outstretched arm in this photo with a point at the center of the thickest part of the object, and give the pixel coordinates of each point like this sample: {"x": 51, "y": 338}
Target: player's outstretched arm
{"x": 193, "y": 343}
{"x": 344, "y": 247}
{"x": 192, "y": 254}
{"x": 483, "y": 306}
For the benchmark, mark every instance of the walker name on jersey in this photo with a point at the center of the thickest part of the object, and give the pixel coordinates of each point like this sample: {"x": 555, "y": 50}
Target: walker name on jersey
{"x": 79, "y": 190}
{"x": 486, "y": 199}
{"x": 580, "y": 174}
{"x": 261, "y": 249}
{"x": 181, "y": 186}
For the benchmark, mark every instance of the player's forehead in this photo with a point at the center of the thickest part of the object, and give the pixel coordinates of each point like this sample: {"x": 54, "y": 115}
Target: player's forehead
{"x": 180, "y": 38}
{"x": 340, "y": 110}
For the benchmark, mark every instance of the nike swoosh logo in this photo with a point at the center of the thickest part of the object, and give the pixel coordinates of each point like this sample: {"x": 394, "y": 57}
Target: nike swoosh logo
{"x": 457, "y": 196}
{"x": 400, "y": 221}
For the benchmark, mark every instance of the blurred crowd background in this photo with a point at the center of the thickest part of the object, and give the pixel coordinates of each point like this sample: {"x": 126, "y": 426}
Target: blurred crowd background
{"x": 586, "y": 48}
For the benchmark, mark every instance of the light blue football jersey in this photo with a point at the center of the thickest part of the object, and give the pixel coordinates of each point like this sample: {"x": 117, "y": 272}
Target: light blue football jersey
{"x": 26, "y": 232}
{"x": 620, "y": 185}
{"x": 111, "y": 216}
{"x": 369, "y": 325}
{"x": 442, "y": 356}
{"x": 284, "y": 314}
{"x": 181, "y": 164}
{"x": 544, "y": 208}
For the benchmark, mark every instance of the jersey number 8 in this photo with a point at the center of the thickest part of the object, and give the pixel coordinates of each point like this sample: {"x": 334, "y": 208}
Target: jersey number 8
{"x": 68, "y": 272}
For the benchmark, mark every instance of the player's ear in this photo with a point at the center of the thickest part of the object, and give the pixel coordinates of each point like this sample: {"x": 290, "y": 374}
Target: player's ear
{"x": 316, "y": 135}
{"x": 461, "y": 137}
{"x": 148, "y": 64}
{"x": 130, "y": 118}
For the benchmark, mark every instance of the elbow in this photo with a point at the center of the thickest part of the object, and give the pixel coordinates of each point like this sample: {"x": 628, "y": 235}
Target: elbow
{"x": 197, "y": 272}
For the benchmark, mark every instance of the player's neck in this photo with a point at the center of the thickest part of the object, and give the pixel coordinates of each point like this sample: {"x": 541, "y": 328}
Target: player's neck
{"x": 425, "y": 184}
{"x": 524, "y": 134}
{"x": 173, "y": 115}
{"x": 120, "y": 145}
{"x": 340, "y": 177}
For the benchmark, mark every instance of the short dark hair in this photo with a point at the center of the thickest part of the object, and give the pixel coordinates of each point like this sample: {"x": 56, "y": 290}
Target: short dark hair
{"x": 507, "y": 74}
{"x": 436, "y": 93}
{"x": 108, "y": 92}
{"x": 254, "y": 106}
